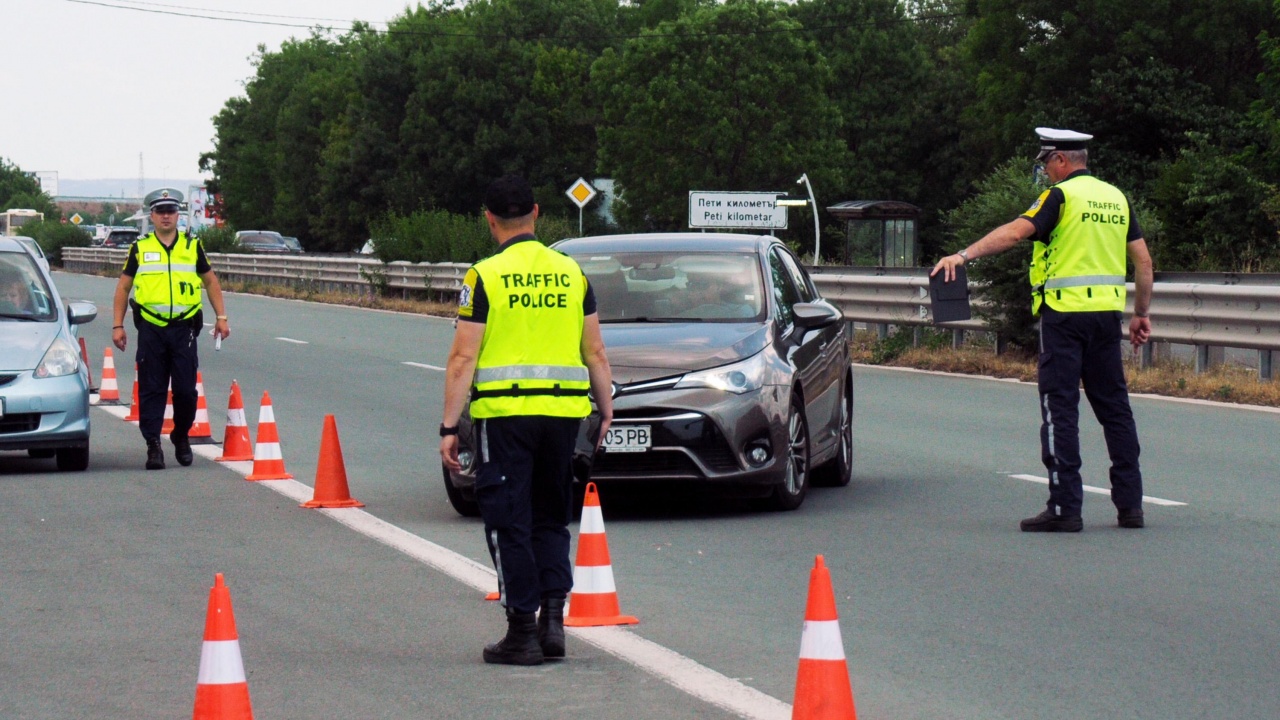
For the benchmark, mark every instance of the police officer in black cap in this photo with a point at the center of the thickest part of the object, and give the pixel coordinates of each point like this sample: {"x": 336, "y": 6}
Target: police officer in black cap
{"x": 1083, "y": 229}
{"x": 527, "y": 351}
{"x": 166, "y": 270}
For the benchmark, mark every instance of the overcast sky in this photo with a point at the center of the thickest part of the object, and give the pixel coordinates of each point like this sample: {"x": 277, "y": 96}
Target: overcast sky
{"x": 87, "y": 86}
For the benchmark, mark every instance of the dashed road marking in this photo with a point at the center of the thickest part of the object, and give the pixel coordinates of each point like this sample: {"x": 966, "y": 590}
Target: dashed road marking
{"x": 423, "y": 365}
{"x": 291, "y": 340}
{"x": 1100, "y": 491}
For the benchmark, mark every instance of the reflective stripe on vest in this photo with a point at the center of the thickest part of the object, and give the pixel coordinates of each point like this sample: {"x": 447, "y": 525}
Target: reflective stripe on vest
{"x": 530, "y": 359}
{"x": 1082, "y": 267}
{"x": 167, "y": 287}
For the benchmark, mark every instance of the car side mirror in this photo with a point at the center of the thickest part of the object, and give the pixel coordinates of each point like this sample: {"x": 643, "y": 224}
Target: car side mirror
{"x": 813, "y": 315}
{"x": 79, "y": 313}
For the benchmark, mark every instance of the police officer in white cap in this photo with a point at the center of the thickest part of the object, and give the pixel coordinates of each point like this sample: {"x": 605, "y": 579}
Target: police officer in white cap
{"x": 166, "y": 270}
{"x": 1083, "y": 229}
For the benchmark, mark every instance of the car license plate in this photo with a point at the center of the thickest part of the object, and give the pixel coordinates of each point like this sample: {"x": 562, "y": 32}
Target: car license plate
{"x": 627, "y": 438}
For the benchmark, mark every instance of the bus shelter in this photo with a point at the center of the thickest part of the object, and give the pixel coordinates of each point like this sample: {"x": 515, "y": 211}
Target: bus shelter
{"x": 879, "y": 233}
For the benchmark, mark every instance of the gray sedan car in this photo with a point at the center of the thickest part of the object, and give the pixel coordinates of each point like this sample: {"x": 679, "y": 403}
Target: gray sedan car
{"x": 730, "y": 370}
{"x": 44, "y": 386}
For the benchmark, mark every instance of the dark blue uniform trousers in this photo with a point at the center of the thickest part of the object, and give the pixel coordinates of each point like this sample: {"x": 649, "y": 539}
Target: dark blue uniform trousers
{"x": 1076, "y": 347}
{"x": 524, "y": 487}
{"x": 166, "y": 354}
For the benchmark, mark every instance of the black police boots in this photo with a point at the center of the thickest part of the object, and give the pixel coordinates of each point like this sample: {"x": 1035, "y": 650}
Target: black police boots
{"x": 551, "y": 627}
{"x": 182, "y": 449}
{"x": 520, "y": 646}
{"x": 155, "y": 454}
{"x": 1047, "y": 521}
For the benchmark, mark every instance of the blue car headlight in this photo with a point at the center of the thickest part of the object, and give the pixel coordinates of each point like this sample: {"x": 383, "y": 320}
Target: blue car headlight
{"x": 60, "y": 359}
{"x": 740, "y": 377}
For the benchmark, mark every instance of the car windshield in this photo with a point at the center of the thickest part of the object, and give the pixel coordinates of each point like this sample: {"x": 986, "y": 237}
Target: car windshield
{"x": 24, "y": 295}
{"x": 675, "y": 287}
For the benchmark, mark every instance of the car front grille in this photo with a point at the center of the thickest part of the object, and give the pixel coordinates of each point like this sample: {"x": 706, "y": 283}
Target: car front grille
{"x": 19, "y": 423}
{"x": 7, "y": 378}
{"x": 658, "y": 463}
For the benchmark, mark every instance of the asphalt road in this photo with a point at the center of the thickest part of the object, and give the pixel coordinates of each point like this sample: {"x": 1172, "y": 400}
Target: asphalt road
{"x": 946, "y": 609}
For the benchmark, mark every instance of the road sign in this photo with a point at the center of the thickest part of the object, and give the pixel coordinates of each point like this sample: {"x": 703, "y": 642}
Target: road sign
{"x": 76, "y": 219}
{"x": 743, "y": 210}
{"x": 581, "y": 193}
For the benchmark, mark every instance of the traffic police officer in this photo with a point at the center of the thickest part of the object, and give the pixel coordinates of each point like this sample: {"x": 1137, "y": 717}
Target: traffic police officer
{"x": 527, "y": 348}
{"x": 1083, "y": 229}
{"x": 166, "y": 270}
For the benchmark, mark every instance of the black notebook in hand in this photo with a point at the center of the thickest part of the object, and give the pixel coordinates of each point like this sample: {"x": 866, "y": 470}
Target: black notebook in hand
{"x": 949, "y": 301}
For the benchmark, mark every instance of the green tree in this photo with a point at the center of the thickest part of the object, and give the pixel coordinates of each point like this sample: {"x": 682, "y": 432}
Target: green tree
{"x": 697, "y": 105}
{"x": 53, "y": 235}
{"x": 20, "y": 190}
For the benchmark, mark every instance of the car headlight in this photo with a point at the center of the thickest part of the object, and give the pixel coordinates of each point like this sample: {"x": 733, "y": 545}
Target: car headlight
{"x": 740, "y": 377}
{"x": 60, "y": 359}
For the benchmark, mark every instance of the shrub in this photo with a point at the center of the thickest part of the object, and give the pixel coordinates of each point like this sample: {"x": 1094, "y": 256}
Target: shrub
{"x": 219, "y": 239}
{"x": 54, "y": 235}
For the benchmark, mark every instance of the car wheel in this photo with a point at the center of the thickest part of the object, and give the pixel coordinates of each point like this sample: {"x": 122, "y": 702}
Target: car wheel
{"x": 41, "y": 453}
{"x": 73, "y": 459}
{"x": 839, "y": 471}
{"x": 464, "y": 507}
{"x": 789, "y": 494}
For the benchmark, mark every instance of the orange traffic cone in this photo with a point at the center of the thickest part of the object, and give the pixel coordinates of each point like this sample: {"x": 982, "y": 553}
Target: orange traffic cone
{"x": 268, "y": 462}
{"x": 84, "y": 358}
{"x": 235, "y": 438}
{"x": 331, "y": 472}
{"x": 222, "y": 691}
{"x": 109, "y": 393}
{"x": 822, "y": 683}
{"x": 168, "y": 413}
{"x": 201, "y": 433}
{"x": 594, "y": 600}
{"x": 133, "y": 415}
{"x": 495, "y": 595}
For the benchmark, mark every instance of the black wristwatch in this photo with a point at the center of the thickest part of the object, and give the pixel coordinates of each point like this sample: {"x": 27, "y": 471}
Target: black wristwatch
{"x": 447, "y": 431}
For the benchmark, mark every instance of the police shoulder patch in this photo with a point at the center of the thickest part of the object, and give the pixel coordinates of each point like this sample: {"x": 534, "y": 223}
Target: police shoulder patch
{"x": 1036, "y": 205}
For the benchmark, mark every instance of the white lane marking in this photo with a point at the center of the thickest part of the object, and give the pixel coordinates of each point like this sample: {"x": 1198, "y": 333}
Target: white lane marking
{"x": 423, "y": 365}
{"x": 677, "y": 670}
{"x": 1100, "y": 491}
{"x": 291, "y": 340}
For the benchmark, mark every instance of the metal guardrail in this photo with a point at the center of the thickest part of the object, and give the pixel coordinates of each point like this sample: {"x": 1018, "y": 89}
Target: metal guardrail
{"x": 1221, "y": 310}
{"x": 319, "y": 272}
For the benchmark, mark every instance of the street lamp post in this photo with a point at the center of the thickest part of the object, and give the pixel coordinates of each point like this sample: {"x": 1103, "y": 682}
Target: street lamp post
{"x": 817, "y": 239}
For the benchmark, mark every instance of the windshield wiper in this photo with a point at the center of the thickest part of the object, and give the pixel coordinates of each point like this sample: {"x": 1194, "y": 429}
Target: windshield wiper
{"x": 646, "y": 319}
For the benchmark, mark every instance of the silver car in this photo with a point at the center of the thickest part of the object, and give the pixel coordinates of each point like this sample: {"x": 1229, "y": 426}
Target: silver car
{"x": 44, "y": 385}
{"x": 730, "y": 370}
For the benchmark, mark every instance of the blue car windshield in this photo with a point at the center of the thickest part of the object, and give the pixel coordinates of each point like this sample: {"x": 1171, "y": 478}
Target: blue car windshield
{"x": 24, "y": 294}
{"x": 675, "y": 287}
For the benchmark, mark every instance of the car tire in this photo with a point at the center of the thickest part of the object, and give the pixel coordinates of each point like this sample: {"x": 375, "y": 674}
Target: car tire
{"x": 41, "y": 453}
{"x": 463, "y": 506}
{"x": 789, "y": 494}
{"x": 838, "y": 471}
{"x": 73, "y": 459}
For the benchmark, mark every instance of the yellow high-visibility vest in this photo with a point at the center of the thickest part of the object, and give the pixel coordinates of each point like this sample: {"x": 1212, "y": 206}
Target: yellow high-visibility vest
{"x": 530, "y": 359}
{"x": 166, "y": 286}
{"x": 1082, "y": 268}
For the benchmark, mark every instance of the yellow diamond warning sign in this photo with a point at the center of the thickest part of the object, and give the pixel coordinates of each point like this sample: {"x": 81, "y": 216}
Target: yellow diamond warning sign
{"x": 581, "y": 192}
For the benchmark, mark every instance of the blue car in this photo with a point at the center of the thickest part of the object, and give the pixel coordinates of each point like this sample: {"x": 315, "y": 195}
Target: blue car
{"x": 44, "y": 385}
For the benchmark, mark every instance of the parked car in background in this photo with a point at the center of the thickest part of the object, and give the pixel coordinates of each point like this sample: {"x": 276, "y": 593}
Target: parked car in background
{"x": 731, "y": 373}
{"x": 262, "y": 241}
{"x": 121, "y": 237}
{"x": 295, "y": 246}
{"x": 34, "y": 248}
{"x": 44, "y": 385}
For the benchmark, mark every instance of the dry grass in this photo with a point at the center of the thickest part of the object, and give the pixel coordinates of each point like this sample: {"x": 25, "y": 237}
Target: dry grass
{"x": 1225, "y": 383}
{"x": 364, "y": 300}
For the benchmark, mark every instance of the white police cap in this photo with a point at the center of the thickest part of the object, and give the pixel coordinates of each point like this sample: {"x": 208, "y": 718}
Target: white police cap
{"x": 1052, "y": 139}
{"x": 163, "y": 196}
